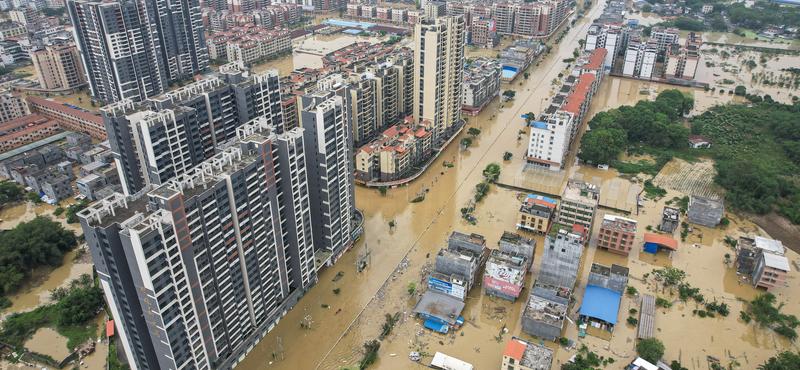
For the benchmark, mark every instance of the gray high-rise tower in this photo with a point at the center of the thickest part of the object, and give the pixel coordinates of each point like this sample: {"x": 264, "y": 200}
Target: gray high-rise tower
{"x": 326, "y": 118}
{"x": 199, "y": 270}
{"x": 133, "y": 49}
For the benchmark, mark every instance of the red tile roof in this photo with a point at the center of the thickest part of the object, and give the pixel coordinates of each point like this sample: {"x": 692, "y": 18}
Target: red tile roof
{"x": 661, "y": 240}
{"x": 596, "y": 59}
{"x": 515, "y": 349}
{"x": 390, "y": 132}
{"x": 58, "y": 106}
{"x": 578, "y": 95}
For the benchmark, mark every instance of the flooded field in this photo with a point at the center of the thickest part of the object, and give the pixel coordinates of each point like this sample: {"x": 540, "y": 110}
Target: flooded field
{"x": 44, "y": 279}
{"x": 689, "y": 178}
{"x": 48, "y": 342}
{"x": 752, "y": 40}
{"x": 725, "y": 68}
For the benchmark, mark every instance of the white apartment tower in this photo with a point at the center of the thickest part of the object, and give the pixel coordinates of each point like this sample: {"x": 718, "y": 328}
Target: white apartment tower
{"x": 549, "y": 141}
{"x": 439, "y": 74}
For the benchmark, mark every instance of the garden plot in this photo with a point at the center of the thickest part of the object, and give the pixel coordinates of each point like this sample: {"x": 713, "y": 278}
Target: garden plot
{"x": 696, "y": 178}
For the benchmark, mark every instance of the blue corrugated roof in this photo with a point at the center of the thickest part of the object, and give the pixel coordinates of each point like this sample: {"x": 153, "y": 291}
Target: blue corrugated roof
{"x": 436, "y": 326}
{"x": 601, "y": 303}
{"x": 539, "y": 124}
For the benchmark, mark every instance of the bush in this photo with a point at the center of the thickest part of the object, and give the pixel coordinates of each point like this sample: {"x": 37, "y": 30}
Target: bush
{"x": 650, "y": 349}
{"x": 631, "y": 291}
{"x": 411, "y": 288}
{"x": 661, "y": 302}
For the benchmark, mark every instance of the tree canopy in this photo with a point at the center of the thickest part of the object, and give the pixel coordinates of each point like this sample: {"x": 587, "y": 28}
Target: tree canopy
{"x": 39, "y": 242}
{"x": 10, "y": 192}
{"x": 656, "y": 124}
{"x": 650, "y": 349}
{"x": 757, "y": 154}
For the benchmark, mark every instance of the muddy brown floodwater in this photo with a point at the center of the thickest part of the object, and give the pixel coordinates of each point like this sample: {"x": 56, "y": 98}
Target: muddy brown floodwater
{"x": 399, "y": 255}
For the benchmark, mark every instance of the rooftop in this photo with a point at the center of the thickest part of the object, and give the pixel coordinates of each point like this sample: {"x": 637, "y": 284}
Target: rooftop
{"x": 581, "y": 192}
{"x": 528, "y": 354}
{"x": 769, "y": 245}
{"x": 601, "y": 303}
{"x": 662, "y": 240}
{"x": 544, "y": 310}
{"x": 776, "y": 261}
{"x": 506, "y": 267}
{"x": 439, "y": 305}
{"x": 596, "y": 59}
{"x": 619, "y": 223}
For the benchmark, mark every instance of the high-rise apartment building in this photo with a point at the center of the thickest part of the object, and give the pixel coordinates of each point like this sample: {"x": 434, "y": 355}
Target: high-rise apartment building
{"x": 439, "y": 74}
{"x": 168, "y": 135}
{"x": 135, "y": 49}
{"x": 198, "y": 270}
{"x": 326, "y": 117}
{"x": 58, "y": 67}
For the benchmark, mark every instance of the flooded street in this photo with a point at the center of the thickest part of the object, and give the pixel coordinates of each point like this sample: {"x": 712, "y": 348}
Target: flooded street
{"x": 402, "y": 254}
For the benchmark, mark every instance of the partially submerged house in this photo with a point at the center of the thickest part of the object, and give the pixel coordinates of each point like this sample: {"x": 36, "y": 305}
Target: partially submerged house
{"x": 523, "y": 355}
{"x": 763, "y": 260}
{"x": 504, "y": 275}
{"x": 653, "y": 243}
{"x": 670, "y": 219}
{"x": 705, "y": 211}
{"x": 603, "y": 295}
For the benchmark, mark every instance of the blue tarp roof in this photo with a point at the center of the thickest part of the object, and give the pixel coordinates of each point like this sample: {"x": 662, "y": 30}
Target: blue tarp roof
{"x": 539, "y": 124}
{"x": 436, "y": 326}
{"x": 601, "y": 303}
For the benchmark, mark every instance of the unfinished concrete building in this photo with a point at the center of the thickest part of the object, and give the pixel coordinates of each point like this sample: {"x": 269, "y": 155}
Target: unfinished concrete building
{"x": 705, "y": 211}
{"x": 545, "y": 311}
{"x": 473, "y": 242}
{"x": 518, "y": 245}
{"x": 456, "y": 267}
{"x": 670, "y": 219}
{"x": 561, "y": 258}
{"x": 504, "y": 275}
{"x": 578, "y": 204}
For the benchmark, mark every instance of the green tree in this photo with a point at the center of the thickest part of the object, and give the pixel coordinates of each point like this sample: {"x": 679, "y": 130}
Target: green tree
{"x": 31, "y": 244}
{"x": 10, "y": 192}
{"x": 602, "y": 145}
{"x": 473, "y": 131}
{"x": 650, "y": 349}
{"x": 79, "y": 306}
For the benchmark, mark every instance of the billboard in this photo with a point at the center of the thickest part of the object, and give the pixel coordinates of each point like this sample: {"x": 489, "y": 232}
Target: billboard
{"x": 505, "y": 287}
{"x": 447, "y": 287}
